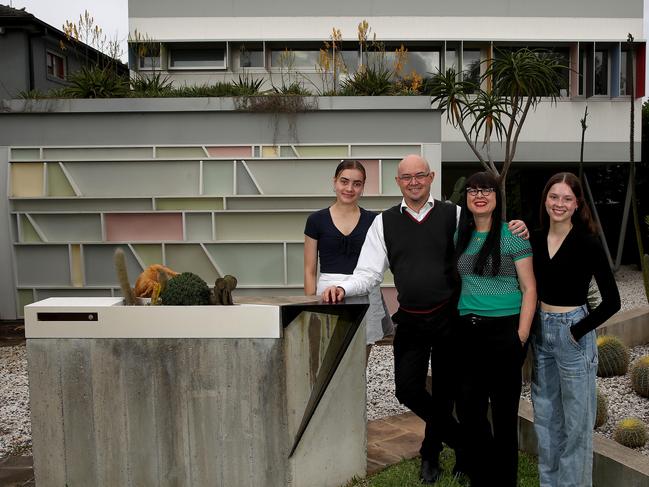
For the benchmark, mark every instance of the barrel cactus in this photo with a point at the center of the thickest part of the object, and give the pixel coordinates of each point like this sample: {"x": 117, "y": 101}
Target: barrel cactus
{"x": 602, "y": 409}
{"x": 613, "y": 356}
{"x": 631, "y": 432}
{"x": 186, "y": 289}
{"x": 640, "y": 376}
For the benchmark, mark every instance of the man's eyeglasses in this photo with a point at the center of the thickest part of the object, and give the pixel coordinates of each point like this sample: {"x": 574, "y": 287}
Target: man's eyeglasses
{"x": 483, "y": 191}
{"x": 420, "y": 176}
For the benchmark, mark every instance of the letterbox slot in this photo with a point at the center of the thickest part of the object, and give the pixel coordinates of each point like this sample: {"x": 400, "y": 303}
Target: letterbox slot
{"x": 67, "y": 316}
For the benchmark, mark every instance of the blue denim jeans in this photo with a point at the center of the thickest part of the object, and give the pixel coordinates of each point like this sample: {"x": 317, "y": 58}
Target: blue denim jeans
{"x": 563, "y": 394}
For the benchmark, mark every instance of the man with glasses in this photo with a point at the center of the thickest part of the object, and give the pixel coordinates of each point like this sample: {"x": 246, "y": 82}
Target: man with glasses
{"x": 415, "y": 241}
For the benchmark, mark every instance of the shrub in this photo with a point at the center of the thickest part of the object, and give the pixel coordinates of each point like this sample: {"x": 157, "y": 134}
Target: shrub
{"x": 631, "y": 432}
{"x": 186, "y": 289}
{"x": 368, "y": 81}
{"x": 602, "y": 409}
{"x": 640, "y": 376}
{"x": 96, "y": 82}
{"x": 613, "y": 356}
{"x": 246, "y": 86}
{"x": 154, "y": 85}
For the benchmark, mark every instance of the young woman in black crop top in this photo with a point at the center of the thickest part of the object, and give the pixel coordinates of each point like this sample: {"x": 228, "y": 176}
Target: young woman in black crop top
{"x": 567, "y": 255}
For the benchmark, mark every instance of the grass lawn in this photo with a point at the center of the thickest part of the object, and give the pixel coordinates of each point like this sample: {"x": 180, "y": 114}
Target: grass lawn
{"x": 406, "y": 474}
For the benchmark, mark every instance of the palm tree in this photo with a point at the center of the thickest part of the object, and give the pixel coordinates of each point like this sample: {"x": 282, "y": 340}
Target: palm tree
{"x": 515, "y": 82}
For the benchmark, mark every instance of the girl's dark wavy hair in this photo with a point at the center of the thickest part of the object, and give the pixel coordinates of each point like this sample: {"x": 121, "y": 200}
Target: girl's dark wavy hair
{"x": 490, "y": 250}
{"x": 582, "y": 217}
{"x": 350, "y": 164}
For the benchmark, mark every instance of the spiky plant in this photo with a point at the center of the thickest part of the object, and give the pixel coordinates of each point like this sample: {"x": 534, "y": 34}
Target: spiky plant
{"x": 613, "y": 356}
{"x": 631, "y": 432}
{"x": 640, "y": 376}
{"x": 602, "y": 409}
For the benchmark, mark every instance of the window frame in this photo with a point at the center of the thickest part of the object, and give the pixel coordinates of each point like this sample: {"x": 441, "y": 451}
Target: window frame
{"x": 196, "y": 46}
{"x": 64, "y": 65}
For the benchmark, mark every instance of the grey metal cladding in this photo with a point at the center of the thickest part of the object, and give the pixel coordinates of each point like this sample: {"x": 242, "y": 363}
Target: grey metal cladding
{"x": 370, "y": 8}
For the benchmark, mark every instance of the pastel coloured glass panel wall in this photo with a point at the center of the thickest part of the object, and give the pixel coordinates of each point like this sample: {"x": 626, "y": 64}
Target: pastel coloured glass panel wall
{"x": 198, "y": 226}
{"x": 27, "y": 231}
{"x": 136, "y": 178}
{"x": 189, "y": 203}
{"x": 57, "y": 182}
{"x": 26, "y": 179}
{"x": 25, "y": 154}
{"x": 381, "y": 151}
{"x": 322, "y": 151}
{"x": 96, "y": 153}
{"x": 179, "y": 152}
{"x": 389, "y": 172}
{"x": 78, "y": 292}
{"x": 245, "y": 184}
{"x": 99, "y": 265}
{"x": 69, "y": 228}
{"x": 42, "y": 265}
{"x": 76, "y": 266}
{"x": 372, "y": 172}
{"x": 139, "y": 227}
{"x": 231, "y": 152}
{"x": 301, "y": 177}
{"x": 279, "y": 203}
{"x": 269, "y": 151}
{"x": 295, "y": 264}
{"x": 252, "y": 264}
{"x": 190, "y": 258}
{"x": 149, "y": 254}
{"x": 86, "y": 204}
{"x": 25, "y": 297}
{"x": 260, "y": 226}
{"x": 218, "y": 178}
{"x": 287, "y": 151}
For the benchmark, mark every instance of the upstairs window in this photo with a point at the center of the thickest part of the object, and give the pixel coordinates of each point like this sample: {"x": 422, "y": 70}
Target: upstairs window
{"x": 601, "y": 72}
{"x": 149, "y": 56}
{"x": 626, "y": 72}
{"x": 55, "y": 65}
{"x": 197, "y": 56}
{"x": 251, "y": 56}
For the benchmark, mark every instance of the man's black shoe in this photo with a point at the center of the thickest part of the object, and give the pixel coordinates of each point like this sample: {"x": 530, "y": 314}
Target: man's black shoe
{"x": 430, "y": 471}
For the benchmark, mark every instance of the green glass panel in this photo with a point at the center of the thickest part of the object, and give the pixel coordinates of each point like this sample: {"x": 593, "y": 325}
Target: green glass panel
{"x": 295, "y": 264}
{"x": 149, "y": 254}
{"x": 180, "y": 152}
{"x": 190, "y": 258}
{"x": 378, "y": 151}
{"x": 322, "y": 151}
{"x": 260, "y": 226}
{"x": 252, "y": 264}
{"x": 218, "y": 178}
{"x": 312, "y": 177}
{"x": 28, "y": 232}
{"x": 285, "y": 203}
{"x": 189, "y": 203}
{"x": 57, "y": 182}
{"x": 79, "y": 205}
{"x": 388, "y": 173}
{"x": 97, "y": 153}
{"x": 81, "y": 227}
{"x": 25, "y": 297}
{"x": 286, "y": 151}
{"x": 245, "y": 184}
{"x": 198, "y": 226}
{"x": 25, "y": 154}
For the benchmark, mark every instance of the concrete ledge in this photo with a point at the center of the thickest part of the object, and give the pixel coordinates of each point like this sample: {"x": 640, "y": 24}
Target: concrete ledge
{"x": 613, "y": 464}
{"x": 632, "y": 327}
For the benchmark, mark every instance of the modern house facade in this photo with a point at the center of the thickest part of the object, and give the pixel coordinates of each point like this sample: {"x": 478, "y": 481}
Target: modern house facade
{"x": 35, "y": 56}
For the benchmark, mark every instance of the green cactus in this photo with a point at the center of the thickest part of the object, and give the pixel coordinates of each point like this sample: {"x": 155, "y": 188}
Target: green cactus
{"x": 602, "y": 409}
{"x": 640, "y": 376}
{"x": 631, "y": 432}
{"x": 458, "y": 190}
{"x": 185, "y": 289}
{"x": 613, "y": 356}
{"x": 122, "y": 277}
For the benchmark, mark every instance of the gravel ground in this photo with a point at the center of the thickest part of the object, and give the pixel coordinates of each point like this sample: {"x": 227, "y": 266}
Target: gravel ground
{"x": 15, "y": 426}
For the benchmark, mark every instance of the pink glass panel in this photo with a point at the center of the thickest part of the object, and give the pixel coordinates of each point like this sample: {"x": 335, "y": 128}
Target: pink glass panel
{"x": 372, "y": 181}
{"x": 139, "y": 227}
{"x": 233, "y": 151}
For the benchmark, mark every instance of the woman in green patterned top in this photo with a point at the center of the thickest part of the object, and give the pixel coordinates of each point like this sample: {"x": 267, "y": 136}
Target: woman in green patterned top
{"x": 496, "y": 307}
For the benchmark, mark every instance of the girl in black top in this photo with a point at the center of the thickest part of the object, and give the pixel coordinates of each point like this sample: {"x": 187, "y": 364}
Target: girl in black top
{"x": 567, "y": 254}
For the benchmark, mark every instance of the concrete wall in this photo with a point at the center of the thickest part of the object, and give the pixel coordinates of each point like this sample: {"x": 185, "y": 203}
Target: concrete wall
{"x": 369, "y": 8}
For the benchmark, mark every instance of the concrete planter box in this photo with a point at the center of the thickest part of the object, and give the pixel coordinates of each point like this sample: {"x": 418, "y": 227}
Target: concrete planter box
{"x": 268, "y": 393}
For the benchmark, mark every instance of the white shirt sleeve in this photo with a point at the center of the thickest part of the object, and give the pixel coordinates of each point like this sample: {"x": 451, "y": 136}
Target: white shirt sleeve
{"x": 372, "y": 263}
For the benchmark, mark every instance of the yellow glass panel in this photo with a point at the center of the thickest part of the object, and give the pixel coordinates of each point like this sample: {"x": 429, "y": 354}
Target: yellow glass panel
{"x": 27, "y": 179}
{"x": 77, "y": 269}
{"x": 322, "y": 151}
{"x": 270, "y": 151}
{"x": 149, "y": 254}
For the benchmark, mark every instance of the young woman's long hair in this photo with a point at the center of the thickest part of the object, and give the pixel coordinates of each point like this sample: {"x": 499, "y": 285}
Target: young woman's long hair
{"x": 582, "y": 216}
{"x": 350, "y": 164}
{"x": 490, "y": 250}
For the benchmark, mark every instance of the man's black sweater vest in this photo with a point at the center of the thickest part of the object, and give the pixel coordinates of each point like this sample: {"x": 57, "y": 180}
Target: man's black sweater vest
{"x": 421, "y": 255}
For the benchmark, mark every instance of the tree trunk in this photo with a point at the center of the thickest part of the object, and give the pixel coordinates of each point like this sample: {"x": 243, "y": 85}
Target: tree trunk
{"x": 502, "y": 182}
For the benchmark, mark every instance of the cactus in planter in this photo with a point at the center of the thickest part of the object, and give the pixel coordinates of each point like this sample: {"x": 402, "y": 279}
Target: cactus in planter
{"x": 186, "y": 289}
{"x": 640, "y": 376}
{"x": 602, "y": 409}
{"x": 122, "y": 277}
{"x": 613, "y": 356}
{"x": 631, "y": 432}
